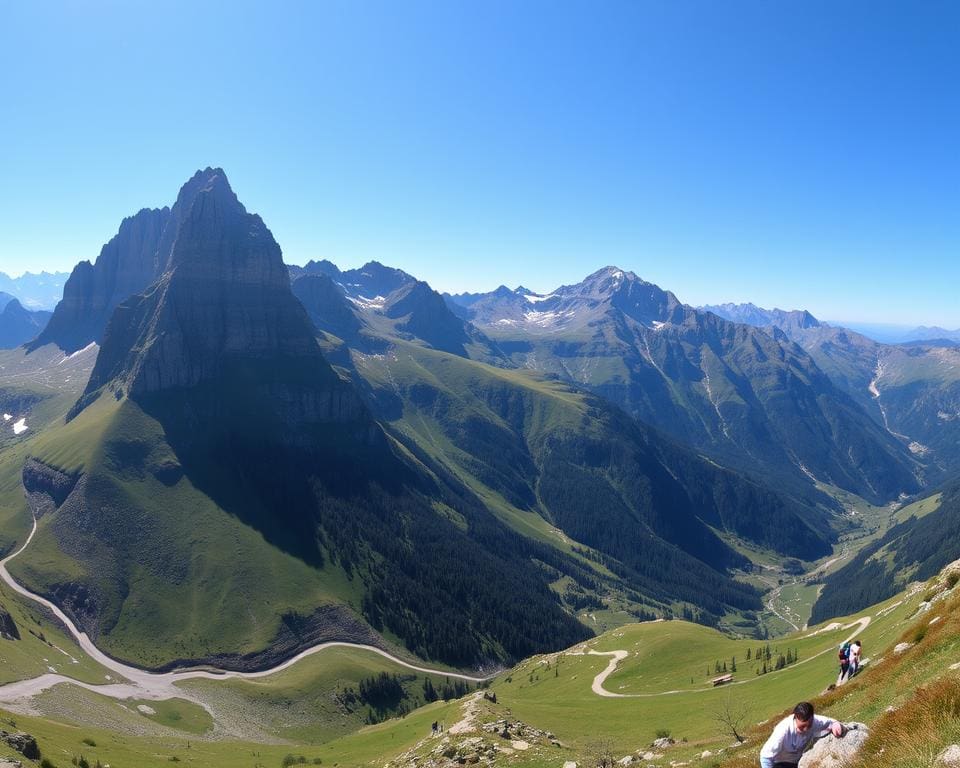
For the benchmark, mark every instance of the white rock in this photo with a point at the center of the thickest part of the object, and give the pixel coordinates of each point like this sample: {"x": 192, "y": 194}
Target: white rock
{"x": 902, "y": 648}
{"x": 950, "y": 757}
{"x": 569, "y": 764}
{"x": 625, "y": 760}
{"x": 520, "y": 745}
{"x": 831, "y": 752}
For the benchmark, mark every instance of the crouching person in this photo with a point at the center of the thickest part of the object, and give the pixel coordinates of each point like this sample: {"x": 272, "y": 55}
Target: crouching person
{"x": 794, "y": 734}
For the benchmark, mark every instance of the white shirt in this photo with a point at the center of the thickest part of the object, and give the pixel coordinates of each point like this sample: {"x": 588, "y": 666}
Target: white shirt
{"x": 786, "y": 744}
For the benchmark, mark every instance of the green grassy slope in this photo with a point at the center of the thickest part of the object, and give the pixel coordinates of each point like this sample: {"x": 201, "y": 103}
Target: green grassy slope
{"x": 305, "y": 710}
{"x": 533, "y": 447}
{"x": 204, "y": 583}
{"x": 664, "y": 680}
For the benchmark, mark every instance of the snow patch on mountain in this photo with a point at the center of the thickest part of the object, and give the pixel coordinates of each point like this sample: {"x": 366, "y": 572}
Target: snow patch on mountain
{"x": 377, "y": 302}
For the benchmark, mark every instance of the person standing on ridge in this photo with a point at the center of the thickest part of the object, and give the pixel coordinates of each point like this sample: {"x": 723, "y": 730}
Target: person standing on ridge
{"x": 793, "y": 735}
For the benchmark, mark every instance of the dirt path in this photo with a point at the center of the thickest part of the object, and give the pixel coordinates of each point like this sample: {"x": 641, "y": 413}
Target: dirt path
{"x": 620, "y": 655}
{"x": 151, "y": 685}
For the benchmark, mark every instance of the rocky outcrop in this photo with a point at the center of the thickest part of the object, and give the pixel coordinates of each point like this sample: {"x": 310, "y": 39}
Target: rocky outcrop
{"x": 500, "y": 741}
{"x": 949, "y": 757}
{"x": 126, "y": 265}
{"x": 831, "y": 752}
{"x": 8, "y": 628}
{"x": 23, "y": 743}
{"x": 19, "y": 325}
{"x": 46, "y": 487}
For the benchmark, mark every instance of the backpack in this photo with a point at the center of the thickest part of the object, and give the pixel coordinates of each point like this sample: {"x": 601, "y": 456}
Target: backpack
{"x": 844, "y": 654}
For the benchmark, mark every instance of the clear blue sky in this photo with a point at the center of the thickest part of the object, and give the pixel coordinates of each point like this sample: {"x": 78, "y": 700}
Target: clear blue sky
{"x": 797, "y": 154}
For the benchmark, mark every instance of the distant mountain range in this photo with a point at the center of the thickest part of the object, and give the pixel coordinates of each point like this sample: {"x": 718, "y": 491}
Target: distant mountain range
{"x": 35, "y": 291}
{"x": 749, "y": 397}
{"x": 911, "y": 389}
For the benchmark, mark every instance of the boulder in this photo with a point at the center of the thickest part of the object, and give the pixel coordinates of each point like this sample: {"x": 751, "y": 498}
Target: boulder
{"x": 626, "y": 760}
{"x": 8, "y": 628}
{"x": 902, "y": 648}
{"x": 950, "y": 757}
{"x": 23, "y": 743}
{"x": 831, "y": 752}
{"x": 662, "y": 743}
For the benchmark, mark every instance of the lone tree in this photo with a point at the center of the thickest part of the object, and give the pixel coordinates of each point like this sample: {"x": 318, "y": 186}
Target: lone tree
{"x": 601, "y": 753}
{"x": 732, "y": 715}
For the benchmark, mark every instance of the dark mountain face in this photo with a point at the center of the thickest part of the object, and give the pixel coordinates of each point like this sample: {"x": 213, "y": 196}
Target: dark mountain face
{"x": 126, "y": 265}
{"x": 5, "y": 298}
{"x": 327, "y": 306}
{"x": 223, "y": 304}
{"x": 19, "y": 325}
{"x": 749, "y": 396}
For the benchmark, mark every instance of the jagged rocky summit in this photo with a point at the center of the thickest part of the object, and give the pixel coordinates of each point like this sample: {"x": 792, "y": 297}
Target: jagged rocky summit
{"x": 221, "y": 314}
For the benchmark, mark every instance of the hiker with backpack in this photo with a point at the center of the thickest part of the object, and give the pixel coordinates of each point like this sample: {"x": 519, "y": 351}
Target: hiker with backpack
{"x": 793, "y": 735}
{"x": 844, "y": 658}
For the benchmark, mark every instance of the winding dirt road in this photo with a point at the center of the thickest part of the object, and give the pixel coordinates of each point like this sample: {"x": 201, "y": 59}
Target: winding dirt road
{"x": 618, "y": 656}
{"x": 139, "y": 683}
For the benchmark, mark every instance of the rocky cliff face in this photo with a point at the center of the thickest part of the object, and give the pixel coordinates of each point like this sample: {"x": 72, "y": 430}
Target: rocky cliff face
{"x": 8, "y": 627}
{"x": 46, "y": 487}
{"x": 222, "y": 314}
{"x": 126, "y": 265}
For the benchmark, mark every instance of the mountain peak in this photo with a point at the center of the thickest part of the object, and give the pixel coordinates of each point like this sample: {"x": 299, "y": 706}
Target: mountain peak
{"x": 611, "y": 273}
{"x": 222, "y": 305}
